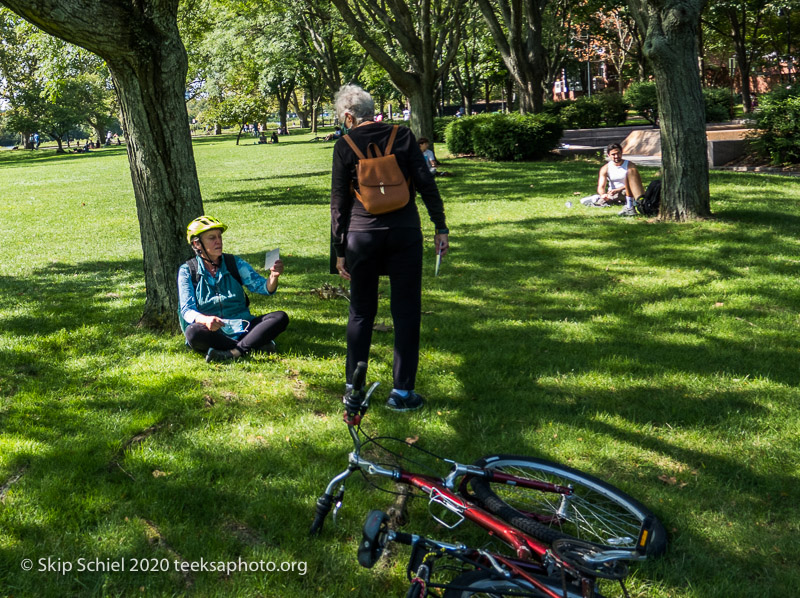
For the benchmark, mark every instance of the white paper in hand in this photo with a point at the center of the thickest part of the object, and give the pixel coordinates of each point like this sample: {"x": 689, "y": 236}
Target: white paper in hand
{"x": 272, "y": 257}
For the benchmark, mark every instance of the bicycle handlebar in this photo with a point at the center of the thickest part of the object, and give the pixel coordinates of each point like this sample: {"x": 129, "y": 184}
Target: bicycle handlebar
{"x": 359, "y": 377}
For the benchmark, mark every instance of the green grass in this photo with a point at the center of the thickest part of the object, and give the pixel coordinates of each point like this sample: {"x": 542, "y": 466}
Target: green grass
{"x": 662, "y": 357}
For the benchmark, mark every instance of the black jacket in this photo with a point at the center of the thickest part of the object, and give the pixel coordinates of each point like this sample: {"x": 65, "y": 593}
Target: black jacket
{"x": 347, "y": 213}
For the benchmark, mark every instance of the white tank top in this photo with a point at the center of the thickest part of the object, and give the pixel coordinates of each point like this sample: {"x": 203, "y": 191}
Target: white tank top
{"x": 616, "y": 175}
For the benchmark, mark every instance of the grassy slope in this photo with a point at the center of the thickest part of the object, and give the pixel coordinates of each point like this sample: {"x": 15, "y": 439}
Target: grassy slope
{"x": 660, "y": 356}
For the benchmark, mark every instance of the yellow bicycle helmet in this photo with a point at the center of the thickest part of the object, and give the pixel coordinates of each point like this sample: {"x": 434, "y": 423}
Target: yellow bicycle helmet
{"x": 202, "y": 224}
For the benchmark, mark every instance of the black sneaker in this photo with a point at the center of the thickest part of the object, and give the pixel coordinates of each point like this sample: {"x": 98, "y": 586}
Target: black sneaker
{"x": 217, "y": 355}
{"x": 411, "y": 402}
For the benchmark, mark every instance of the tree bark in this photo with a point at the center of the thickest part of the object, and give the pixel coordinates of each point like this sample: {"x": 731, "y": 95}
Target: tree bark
{"x": 671, "y": 50}
{"x": 139, "y": 41}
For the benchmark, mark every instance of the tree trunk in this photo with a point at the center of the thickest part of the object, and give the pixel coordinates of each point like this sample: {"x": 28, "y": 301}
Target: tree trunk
{"x": 156, "y": 128}
{"x": 421, "y": 106}
{"x": 429, "y": 47}
{"x": 519, "y": 41}
{"x": 142, "y": 47}
{"x": 671, "y": 49}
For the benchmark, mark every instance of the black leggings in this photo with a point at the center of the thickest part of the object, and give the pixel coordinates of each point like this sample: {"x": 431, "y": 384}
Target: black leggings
{"x": 398, "y": 253}
{"x": 261, "y": 331}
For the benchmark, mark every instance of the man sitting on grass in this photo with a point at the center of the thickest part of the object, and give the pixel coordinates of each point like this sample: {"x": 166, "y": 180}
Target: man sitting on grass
{"x": 618, "y": 179}
{"x": 430, "y": 158}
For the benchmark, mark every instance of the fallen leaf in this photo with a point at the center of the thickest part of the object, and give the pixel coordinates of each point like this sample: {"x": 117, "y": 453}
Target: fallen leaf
{"x": 718, "y": 304}
{"x": 157, "y": 473}
{"x": 671, "y": 480}
{"x": 412, "y": 439}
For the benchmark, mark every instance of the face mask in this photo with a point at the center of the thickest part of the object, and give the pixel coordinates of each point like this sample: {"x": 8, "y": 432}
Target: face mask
{"x": 232, "y": 327}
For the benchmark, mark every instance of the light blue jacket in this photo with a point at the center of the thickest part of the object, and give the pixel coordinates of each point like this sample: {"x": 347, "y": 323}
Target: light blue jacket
{"x": 218, "y": 295}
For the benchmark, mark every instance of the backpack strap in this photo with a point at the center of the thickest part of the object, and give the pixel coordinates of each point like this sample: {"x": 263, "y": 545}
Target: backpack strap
{"x": 192, "y": 264}
{"x": 352, "y": 144}
{"x": 390, "y": 143}
{"x": 230, "y": 263}
{"x": 372, "y": 149}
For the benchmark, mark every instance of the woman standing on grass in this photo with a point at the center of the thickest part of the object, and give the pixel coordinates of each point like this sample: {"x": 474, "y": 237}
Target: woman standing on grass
{"x": 214, "y": 312}
{"x": 368, "y": 245}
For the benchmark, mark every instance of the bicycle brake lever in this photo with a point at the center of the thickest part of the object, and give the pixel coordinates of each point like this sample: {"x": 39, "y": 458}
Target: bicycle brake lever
{"x": 337, "y": 504}
{"x": 372, "y": 388}
{"x": 495, "y": 565}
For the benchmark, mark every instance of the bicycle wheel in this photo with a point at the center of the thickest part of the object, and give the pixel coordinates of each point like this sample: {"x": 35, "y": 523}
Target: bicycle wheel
{"x": 482, "y": 583}
{"x": 597, "y": 512}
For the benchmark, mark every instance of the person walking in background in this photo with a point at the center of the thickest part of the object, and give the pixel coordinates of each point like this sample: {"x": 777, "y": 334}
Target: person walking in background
{"x": 367, "y": 245}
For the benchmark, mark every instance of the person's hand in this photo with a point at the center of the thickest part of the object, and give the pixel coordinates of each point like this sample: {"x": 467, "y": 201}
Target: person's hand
{"x": 277, "y": 269}
{"x": 340, "y": 266}
{"x": 211, "y": 322}
{"x": 441, "y": 243}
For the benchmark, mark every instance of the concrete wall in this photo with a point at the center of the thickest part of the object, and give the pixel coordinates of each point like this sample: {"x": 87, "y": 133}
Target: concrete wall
{"x": 599, "y": 137}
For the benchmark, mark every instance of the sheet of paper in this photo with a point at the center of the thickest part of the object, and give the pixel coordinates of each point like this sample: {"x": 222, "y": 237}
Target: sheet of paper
{"x": 272, "y": 257}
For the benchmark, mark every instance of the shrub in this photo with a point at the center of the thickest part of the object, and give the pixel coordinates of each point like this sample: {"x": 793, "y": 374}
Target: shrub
{"x": 719, "y": 104}
{"x": 516, "y": 136}
{"x": 439, "y": 125}
{"x": 555, "y": 108}
{"x": 583, "y": 113}
{"x": 643, "y": 99}
{"x": 614, "y": 108}
{"x": 778, "y": 122}
{"x": 458, "y": 134}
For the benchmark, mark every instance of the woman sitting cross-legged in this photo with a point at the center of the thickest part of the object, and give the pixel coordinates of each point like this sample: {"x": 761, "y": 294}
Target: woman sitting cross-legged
{"x": 214, "y": 312}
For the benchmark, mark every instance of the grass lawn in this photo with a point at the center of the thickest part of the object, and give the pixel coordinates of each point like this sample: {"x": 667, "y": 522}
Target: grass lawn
{"x": 662, "y": 357}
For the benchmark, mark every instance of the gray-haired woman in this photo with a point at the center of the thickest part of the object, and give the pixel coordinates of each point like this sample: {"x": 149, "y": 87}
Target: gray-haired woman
{"x": 368, "y": 245}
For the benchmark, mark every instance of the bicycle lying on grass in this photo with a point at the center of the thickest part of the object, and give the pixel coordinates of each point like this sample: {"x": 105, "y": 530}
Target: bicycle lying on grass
{"x": 565, "y": 529}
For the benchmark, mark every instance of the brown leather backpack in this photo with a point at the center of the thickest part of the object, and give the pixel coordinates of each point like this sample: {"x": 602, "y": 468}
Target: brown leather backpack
{"x": 381, "y": 185}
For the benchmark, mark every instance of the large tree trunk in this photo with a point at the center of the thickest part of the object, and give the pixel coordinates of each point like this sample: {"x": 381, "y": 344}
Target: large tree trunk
{"x": 142, "y": 47}
{"x": 421, "y": 103}
{"x": 671, "y": 49}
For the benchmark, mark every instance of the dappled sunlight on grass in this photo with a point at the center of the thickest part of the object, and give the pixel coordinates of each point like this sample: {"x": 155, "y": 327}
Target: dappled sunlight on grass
{"x": 659, "y": 356}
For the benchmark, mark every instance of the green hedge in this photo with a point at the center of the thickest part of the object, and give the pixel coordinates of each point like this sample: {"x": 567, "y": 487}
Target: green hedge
{"x": 504, "y": 136}
{"x": 613, "y": 107}
{"x": 583, "y": 113}
{"x": 458, "y": 134}
{"x": 439, "y": 125}
{"x": 642, "y": 98}
{"x": 719, "y": 104}
{"x": 778, "y": 122}
{"x": 588, "y": 112}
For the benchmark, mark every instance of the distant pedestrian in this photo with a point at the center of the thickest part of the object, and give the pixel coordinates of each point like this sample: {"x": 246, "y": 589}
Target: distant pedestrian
{"x": 36, "y": 141}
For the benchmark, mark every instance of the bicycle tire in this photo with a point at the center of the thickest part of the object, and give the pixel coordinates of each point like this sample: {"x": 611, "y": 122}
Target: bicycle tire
{"x": 483, "y": 583}
{"x": 598, "y": 512}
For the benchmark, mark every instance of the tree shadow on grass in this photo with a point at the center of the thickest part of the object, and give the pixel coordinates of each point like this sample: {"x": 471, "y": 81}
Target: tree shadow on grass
{"x": 15, "y": 159}
{"x": 296, "y": 194}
